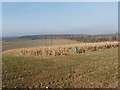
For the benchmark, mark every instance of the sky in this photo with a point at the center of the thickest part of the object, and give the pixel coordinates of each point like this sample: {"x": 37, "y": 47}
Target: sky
{"x": 34, "y": 18}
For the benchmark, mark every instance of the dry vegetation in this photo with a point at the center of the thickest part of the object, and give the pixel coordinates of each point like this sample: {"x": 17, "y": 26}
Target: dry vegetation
{"x": 61, "y": 49}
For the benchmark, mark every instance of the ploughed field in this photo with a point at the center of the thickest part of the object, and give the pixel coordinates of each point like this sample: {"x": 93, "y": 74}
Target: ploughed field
{"x": 94, "y": 65}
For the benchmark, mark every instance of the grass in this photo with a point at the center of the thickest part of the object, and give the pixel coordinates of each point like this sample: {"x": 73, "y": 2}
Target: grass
{"x": 34, "y": 43}
{"x": 86, "y": 70}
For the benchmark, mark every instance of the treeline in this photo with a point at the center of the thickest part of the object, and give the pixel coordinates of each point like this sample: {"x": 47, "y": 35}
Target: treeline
{"x": 95, "y": 38}
{"x": 81, "y": 37}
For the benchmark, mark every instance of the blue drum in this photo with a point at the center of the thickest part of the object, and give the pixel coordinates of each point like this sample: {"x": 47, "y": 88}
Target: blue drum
{"x": 75, "y": 49}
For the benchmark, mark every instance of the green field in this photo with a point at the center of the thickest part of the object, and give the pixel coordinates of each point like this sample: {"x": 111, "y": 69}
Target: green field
{"x": 34, "y": 43}
{"x": 86, "y": 70}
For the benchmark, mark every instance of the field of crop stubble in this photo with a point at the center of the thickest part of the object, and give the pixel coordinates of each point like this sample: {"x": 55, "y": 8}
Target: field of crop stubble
{"x": 26, "y": 68}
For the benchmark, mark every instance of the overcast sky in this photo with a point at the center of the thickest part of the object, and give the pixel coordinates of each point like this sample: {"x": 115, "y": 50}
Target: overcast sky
{"x": 33, "y": 18}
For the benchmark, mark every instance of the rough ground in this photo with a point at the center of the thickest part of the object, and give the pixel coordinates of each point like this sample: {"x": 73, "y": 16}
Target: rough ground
{"x": 85, "y": 70}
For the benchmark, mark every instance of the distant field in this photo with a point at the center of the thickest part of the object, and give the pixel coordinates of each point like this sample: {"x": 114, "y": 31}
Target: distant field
{"x": 86, "y": 70}
{"x": 34, "y": 43}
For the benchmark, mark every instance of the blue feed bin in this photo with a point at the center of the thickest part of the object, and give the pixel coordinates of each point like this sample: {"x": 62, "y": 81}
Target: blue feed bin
{"x": 75, "y": 49}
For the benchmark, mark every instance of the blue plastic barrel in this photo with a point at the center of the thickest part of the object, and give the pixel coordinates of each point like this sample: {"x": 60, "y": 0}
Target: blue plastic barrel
{"x": 75, "y": 49}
